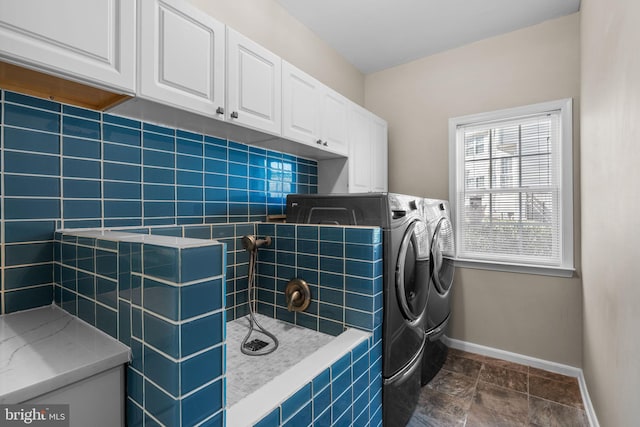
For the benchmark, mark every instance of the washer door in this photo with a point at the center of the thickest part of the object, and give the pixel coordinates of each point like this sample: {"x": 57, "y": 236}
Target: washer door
{"x": 441, "y": 267}
{"x": 412, "y": 271}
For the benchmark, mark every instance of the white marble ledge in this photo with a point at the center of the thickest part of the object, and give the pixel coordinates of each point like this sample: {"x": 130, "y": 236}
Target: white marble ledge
{"x": 261, "y": 402}
{"x": 153, "y": 239}
{"x": 46, "y": 348}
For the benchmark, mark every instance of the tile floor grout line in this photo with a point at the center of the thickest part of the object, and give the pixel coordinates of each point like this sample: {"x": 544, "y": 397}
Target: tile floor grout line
{"x": 558, "y": 403}
{"x": 475, "y": 392}
{"x": 564, "y": 413}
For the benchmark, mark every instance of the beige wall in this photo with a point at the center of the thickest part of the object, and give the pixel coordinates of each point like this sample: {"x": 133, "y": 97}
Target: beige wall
{"x": 610, "y": 205}
{"x": 532, "y": 315}
{"x": 267, "y": 23}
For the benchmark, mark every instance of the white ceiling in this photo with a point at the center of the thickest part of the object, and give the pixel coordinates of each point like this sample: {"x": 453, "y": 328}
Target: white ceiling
{"x": 378, "y": 34}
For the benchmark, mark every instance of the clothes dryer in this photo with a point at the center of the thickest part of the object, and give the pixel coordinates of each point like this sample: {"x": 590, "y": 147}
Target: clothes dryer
{"x": 441, "y": 244}
{"x": 438, "y": 312}
{"x": 405, "y": 239}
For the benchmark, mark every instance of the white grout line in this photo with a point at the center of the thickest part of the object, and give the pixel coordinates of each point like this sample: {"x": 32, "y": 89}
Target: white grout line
{"x": 2, "y": 219}
{"x": 101, "y": 172}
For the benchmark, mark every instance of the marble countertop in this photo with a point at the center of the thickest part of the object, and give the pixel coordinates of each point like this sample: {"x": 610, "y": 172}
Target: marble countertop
{"x": 46, "y": 348}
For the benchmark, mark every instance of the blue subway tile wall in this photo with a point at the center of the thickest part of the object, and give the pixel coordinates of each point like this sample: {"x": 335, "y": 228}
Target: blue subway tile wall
{"x": 68, "y": 167}
{"x": 348, "y": 393}
{"x": 341, "y": 265}
{"x": 237, "y": 259}
{"x": 167, "y": 305}
{"x": 152, "y": 309}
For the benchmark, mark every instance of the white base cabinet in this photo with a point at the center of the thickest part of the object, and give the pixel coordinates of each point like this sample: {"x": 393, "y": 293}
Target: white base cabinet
{"x": 182, "y": 57}
{"x": 97, "y": 401}
{"x": 90, "y": 41}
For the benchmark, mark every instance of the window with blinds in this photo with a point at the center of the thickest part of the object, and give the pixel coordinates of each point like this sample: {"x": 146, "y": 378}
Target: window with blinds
{"x": 510, "y": 184}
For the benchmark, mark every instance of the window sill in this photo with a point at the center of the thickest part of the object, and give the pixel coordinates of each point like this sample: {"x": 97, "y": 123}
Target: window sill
{"x": 515, "y": 268}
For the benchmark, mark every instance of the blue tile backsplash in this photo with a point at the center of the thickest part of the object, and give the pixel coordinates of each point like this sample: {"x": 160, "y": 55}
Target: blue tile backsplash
{"x": 345, "y": 278}
{"x": 68, "y": 167}
{"x": 168, "y": 305}
{"x": 174, "y": 322}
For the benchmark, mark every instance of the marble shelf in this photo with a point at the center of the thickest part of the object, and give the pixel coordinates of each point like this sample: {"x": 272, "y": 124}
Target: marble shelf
{"x": 46, "y": 348}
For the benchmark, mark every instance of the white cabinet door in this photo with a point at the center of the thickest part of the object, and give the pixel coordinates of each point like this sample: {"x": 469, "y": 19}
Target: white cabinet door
{"x": 181, "y": 57}
{"x": 367, "y": 152}
{"x": 91, "y": 41}
{"x": 254, "y": 96}
{"x": 313, "y": 113}
{"x": 359, "y": 150}
{"x": 379, "y": 154}
{"x": 334, "y": 132}
{"x": 300, "y": 106}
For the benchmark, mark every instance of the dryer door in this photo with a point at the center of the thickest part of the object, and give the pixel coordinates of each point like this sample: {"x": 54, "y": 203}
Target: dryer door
{"x": 441, "y": 267}
{"x": 412, "y": 271}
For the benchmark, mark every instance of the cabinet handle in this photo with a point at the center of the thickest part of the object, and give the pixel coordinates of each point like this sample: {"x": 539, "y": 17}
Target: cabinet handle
{"x": 220, "y": 110}
{"x": 326, "y": 144}
{"x": 319, "y": 142}
{"x": 234, "y": 115}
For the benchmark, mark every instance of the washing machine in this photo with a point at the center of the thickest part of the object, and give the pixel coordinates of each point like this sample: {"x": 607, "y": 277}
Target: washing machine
{"x": 441, "y": 261}
{"x": 406, "y": 269}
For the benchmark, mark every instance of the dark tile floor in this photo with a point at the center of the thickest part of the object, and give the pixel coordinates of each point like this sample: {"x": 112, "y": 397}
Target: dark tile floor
{"x": 478, "y": 391}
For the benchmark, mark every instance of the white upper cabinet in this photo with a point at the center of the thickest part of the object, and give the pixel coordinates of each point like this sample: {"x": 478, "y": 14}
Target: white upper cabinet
{"x": 379, "y": 155}
{"x": 185, "y": 69}
{"x": 359, "y": 150}
{"x": 91, "y": 41}
{"x": 254, "y": 84}
{"x": 312, "y": 113}
{"x": 367, "y": 162}
{"x": 182, "y": 57}
{"x": 300, "y": 106}
{"x": 334, "y": 131}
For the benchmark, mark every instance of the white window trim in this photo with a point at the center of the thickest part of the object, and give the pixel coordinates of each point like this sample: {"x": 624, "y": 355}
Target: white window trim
{"x": 566, "y": 269}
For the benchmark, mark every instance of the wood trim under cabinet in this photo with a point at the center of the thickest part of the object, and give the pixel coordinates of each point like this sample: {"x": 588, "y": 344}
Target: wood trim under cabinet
{"x": 35, "y": 83}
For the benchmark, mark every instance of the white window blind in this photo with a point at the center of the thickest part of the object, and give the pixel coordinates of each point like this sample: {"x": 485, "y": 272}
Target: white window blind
{"x": 509, "y": 186}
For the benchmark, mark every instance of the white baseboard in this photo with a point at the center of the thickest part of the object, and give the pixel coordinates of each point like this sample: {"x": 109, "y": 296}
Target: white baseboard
{"x": 558, "y": 368}
{"x": 588, "y": 406}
